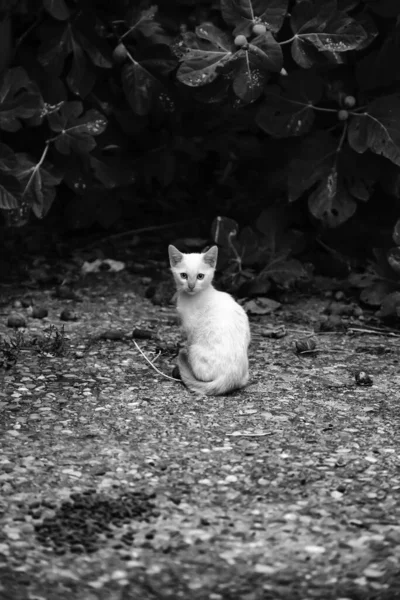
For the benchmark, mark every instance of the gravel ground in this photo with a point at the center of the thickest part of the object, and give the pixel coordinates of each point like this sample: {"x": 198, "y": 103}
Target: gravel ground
{"x": 117, "y": 483}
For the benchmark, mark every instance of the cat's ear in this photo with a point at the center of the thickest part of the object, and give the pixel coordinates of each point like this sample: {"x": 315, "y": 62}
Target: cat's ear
{"x": 210, "y": 257}
{"x": 175, "y": 256}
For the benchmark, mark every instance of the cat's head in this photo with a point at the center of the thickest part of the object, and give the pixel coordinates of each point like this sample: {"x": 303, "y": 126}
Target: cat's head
{"x": 192, "y": 272}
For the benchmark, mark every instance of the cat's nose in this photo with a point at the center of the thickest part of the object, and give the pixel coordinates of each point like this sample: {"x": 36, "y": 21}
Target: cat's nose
{"x": 191, "y": 286}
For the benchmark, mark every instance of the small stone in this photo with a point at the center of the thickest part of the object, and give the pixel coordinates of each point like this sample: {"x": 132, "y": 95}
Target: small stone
{"x": 26, "y": 302}
{"x": 373, "y": 573}
{"x": 142, "y": 334}
{"x": 39, "y": 312}
{"x": 16, "y": 320}
{"x": 112, "y": 334}
{"x": 68, "y": 315}
{"x": 362, "y": 378}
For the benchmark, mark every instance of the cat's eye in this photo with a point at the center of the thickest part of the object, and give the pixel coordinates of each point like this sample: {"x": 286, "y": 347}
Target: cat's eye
{"x": 183, "y": 275}
{"x": 200, "y": 276}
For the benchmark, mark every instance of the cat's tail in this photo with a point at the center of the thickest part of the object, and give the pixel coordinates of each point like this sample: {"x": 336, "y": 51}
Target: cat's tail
{"x": 221, "y": 385}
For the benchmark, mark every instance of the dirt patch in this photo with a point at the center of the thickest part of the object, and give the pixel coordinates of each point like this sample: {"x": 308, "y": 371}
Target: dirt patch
{"x": 287, "y": 489}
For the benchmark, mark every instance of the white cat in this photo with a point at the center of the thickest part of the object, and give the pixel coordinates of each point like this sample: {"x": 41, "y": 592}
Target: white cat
{"x": 217, "y": 328}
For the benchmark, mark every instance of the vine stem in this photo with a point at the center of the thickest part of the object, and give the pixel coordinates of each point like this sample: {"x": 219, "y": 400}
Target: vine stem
{"x": 153, "y": 366}
{"x": 37, "y": 167}
{"x": 287, "y": 41}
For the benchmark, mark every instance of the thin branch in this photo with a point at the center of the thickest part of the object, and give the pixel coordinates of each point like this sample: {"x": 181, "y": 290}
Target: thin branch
{"x": 27, "y": 31}
{"x": 153, "y": 366}
{"x": 374, "y": 331}
{"x": 131, "y": 232}
{"x": 287, "y": 41}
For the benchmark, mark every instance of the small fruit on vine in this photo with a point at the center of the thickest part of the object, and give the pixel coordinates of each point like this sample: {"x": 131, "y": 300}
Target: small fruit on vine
{"x": 240, "y": 40}
{"x": 343, "y": 115}
{"x": 349, "y": 101}
{"x": 259, "y": 29}
{"x": 120, "y": 53}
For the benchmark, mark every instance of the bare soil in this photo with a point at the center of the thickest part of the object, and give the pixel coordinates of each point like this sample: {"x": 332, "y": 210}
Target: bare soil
{"x": 289, "y": 489}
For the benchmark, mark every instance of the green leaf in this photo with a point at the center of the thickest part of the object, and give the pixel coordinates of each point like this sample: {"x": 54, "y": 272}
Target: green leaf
{"x": 378, "y": 69}
{"x": 393, "y": 257}
{"x": 360, "y": 173}
{"x": 244, "y": 14}
{"x": 142, "y": 23}
{"x": 143, "y": 90}
{"x": 79, "y": 38}
{"x": 57, "y": 8}
{"x": 283, "y": 271}
{"x": 314, "y": 162}
{"x": 10, "y": 191}
{"x": 38, "y": 184}
{"x": 272, "y": 224}
{"x": 76, "y": 132}
{"x": 330, "y": 202}
{"x": 224, "y": 231}
{"x": 19, "y": 99}
{"x": 207, "y": 53}
{"x": 384, "y": 8}
{"x": 320, "y": 29}
{"x": 390, "y": 306}
{"x": 249, "y": 245}
{"x": 374, "y": 294}
{"x": 396, "y": 233}
{"x": 378, "y": 129}
{"x": 288, "y": 110}
{"x": 81, "y": 77}
{"x": 7, "y": 158}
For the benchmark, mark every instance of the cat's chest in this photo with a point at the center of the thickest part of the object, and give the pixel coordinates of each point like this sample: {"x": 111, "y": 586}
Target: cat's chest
{"x": 193, "y": 314}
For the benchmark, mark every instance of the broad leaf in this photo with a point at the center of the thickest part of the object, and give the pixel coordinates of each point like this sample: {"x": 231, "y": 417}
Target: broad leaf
{"x": 314, "y": 162}
{"x": 288, "y": 111}
{"x": 381, "y": 68}
{"x": 374, "y": 294}
{"x": 75, "y": 131}
{"x": 19, "y": 99}
{"x": 253, "y": 65}
{"x": 224, "y": 231}
{"x": 396, "y": 233}
{"x": 330, "y": 202}
{"x": 272, "y": 224}
{"x": 360, "y": 173}
{"x": 143, "y": 90}
{"x": 81, "y": 77}
{"x": 38, "y": 182}
{"x": 393, "y": 257}
{"x": 113, "y": 172}
{"x": 322, "y": 171}
{"x": 283, "y": 271}
{"x": 10, "y": 186}
{"x": 7, "y": 158}
{"x": 244, "y": 14}
{"x": 390, "y": 306}
{"x": 320, "y": 28}
{"x": 384, "y": 8}
{"x": 10, "y": 191}
{"x": 377, "y": 128}
{"x": 249, "y": 245}
{"x": 87, "y": 48}
{"x": 207, "y": 53}
{"x": 141, "y": 23}
{"x": 57, "y": 8}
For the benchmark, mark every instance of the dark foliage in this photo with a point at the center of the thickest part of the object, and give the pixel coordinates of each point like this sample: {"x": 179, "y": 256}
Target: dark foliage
{"x": 258, "y": 102}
